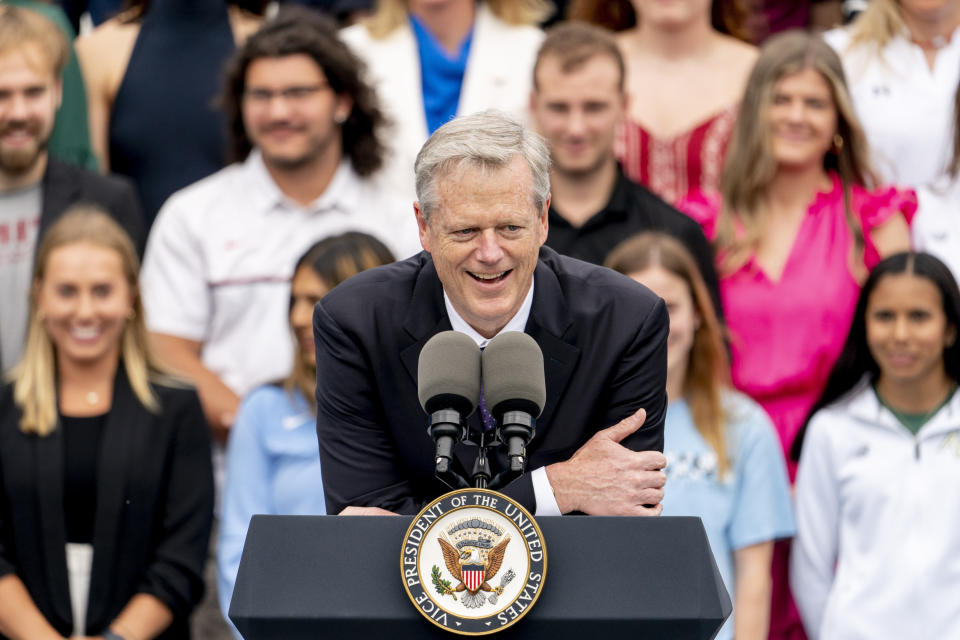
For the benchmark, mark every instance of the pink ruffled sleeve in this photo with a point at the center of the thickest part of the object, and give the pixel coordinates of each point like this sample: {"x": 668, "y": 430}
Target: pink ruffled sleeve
{"x": 704, "y": 207}
{"x": 877, "y": 207}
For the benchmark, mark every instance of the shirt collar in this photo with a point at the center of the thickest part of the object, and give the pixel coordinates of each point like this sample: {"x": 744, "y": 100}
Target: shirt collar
{"x": 865, "y": 405}
{"x": 618, "y": 205}
{"x": 517, "y": 323}
{"x": 342, "y": 192}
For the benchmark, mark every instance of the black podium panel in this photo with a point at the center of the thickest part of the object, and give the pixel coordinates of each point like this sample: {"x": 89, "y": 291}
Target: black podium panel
{"x": 339, "y": 577}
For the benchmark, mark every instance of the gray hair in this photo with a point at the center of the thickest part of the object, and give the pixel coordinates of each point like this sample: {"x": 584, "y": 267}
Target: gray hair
{"x": 487, "y": 140}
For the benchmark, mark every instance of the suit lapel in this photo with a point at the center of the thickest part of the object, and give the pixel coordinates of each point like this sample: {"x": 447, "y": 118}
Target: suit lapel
{"x": 49, "y": 466}
{"x": 426, "y": 315}
{"x": 117, "y": 448}
{"x": 548, "y": 323}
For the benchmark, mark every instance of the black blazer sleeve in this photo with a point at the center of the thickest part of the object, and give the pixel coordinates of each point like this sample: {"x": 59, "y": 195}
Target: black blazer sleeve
{"x": 6, "y": 558}
{"x": 175, "y": 572}
{"x": 65, "y": 185}
{"x": 126, "y": 210}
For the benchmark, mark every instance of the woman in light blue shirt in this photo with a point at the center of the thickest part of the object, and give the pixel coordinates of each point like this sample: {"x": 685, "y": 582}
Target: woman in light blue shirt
{"x": 723, "y": 457}
{"x": 273, "y": 461}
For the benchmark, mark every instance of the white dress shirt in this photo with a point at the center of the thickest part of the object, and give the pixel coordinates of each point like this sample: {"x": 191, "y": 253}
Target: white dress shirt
{"x": 221, "y": 254}
{"x": 542, "y": 491}
{"x": 906, "y": 107}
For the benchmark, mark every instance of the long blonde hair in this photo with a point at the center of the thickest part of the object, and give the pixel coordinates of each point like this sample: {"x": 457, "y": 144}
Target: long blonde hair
{"x": 877, "y": 25}
{"x": 390, "y": 14}
{"x": 750, "y": 166}
{"x": 34, "y": 377}
{"x": 708, "y": 371}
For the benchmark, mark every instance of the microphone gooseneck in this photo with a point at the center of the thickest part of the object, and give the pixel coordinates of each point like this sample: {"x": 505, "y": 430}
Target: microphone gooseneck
{"x": 448, "y": 387}
{"x": 514, "y": 391}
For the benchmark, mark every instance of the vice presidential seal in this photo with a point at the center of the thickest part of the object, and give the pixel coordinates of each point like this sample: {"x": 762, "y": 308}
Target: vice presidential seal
{"x": 473, "y": 562}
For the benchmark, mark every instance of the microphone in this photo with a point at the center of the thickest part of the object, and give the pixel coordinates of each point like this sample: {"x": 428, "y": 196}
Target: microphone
{"x": 448, "y": 386}
{"x": 514, "y": 391}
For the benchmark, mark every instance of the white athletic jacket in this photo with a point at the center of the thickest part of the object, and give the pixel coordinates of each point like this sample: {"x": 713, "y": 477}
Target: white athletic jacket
{"x": 877, "y": 551}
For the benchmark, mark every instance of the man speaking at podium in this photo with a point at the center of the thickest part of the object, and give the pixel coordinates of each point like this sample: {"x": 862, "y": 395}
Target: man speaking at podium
{"x": 483, "y": 192}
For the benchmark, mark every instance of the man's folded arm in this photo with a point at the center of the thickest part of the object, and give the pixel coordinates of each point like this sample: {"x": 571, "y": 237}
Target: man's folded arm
{"x": 640, "y": 382}
{"x": 358, "y": 460}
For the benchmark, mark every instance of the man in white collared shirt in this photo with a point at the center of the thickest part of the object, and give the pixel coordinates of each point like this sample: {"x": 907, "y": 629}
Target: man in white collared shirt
{"x": 221, "y": 253}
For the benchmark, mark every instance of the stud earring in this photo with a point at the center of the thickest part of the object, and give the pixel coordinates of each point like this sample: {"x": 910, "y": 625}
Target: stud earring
{"x": 837, "y": 142}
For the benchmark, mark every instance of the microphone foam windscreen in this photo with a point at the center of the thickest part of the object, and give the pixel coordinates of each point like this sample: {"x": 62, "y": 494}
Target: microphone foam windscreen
{"x": 448, "y": 373}
{"x": 513, "y": 374}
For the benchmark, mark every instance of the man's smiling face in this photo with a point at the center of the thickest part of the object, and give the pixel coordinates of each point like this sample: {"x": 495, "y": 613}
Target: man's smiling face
{"x": 485, "y": 237}
{"x": 29, "y": 98}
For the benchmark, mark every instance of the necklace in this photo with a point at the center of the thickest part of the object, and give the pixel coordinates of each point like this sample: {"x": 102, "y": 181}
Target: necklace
{"x": 933, "y": 44}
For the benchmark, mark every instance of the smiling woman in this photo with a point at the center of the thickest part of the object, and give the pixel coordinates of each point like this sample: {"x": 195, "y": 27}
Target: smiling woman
{"x": 890, "y": 403}
{"x": 96, "y": 439}
{"x": 797, "y": 225}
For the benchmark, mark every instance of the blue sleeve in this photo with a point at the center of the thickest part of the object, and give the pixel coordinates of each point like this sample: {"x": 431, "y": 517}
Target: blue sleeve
{"x": 761, "y": 505}
{"x": 248, "y": 486}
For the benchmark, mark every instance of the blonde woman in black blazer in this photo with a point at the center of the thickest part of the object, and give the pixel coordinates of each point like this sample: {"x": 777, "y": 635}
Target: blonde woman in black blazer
{"x": 106, "y": 490}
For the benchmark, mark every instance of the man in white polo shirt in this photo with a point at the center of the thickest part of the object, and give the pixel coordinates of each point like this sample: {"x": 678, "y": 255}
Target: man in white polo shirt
{"x": 221, "y": 252}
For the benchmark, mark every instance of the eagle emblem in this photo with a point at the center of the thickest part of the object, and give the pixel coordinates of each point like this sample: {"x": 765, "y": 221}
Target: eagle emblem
{"x": 473, "y": 551}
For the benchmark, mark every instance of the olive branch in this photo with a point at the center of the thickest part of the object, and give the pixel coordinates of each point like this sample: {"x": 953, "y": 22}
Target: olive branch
{"x": 443, "y": 586}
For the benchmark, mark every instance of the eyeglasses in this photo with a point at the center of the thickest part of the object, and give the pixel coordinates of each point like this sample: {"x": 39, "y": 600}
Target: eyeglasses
{"x": 290, "y": 94}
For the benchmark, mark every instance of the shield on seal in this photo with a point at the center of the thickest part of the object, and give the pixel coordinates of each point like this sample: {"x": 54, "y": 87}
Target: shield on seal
{"x": 472, "y": 576}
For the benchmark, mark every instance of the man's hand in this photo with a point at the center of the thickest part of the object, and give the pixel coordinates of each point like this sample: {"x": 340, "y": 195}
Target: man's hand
{"x": 219, "y": 404}
{"x": 604, "y": 478}
{"x": 366, "y": 511}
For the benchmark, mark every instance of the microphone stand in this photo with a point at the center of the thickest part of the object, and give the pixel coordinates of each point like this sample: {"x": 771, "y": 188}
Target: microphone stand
{"x": 446, "y": 428}
{"x": 444, "y": 424}
{"x": 481, "y": 466}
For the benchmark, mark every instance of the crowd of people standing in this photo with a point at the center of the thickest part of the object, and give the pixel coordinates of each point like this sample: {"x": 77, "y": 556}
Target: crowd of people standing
{"x": 792, "y": 197}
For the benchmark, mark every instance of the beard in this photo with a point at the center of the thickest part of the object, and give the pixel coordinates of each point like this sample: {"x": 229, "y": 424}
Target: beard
{"x": 583, "y": 172}
{"x": 315, "y": 146}
{"x": 17, "y": 161}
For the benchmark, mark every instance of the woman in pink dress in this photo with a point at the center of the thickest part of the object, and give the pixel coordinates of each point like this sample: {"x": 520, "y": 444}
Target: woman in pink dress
{"x": 797, "y": 224}
{"x": 686, "y": 65}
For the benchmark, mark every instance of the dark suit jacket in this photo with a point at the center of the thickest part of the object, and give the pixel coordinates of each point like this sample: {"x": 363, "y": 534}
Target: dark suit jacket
{"x": 604, "y": 343}
{"x": 65, "y": 185}
{"x": 153, "y": 516}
